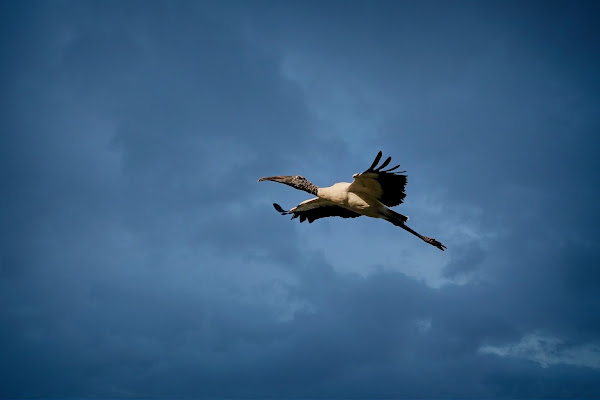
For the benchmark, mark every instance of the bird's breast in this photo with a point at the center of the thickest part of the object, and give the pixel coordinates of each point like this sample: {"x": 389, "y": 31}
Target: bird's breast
{"x": 337, "y": 193}
{"x": 359, "y": 202}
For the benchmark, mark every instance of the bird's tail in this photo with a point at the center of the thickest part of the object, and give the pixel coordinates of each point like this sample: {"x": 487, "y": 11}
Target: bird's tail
{"x": 395, "y": 218}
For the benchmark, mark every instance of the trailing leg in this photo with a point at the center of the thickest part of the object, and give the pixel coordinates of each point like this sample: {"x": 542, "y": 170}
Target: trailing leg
{"x": 400, "y": 220}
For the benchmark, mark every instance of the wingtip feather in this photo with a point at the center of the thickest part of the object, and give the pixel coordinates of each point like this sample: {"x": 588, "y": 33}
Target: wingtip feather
{"x": 385, "y": 164}
{"x": 377, "y": 158}
{"x": 279, "y": 209}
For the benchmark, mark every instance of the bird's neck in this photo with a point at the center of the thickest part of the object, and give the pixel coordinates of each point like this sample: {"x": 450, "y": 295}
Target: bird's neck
{"x": 307, "y": 187}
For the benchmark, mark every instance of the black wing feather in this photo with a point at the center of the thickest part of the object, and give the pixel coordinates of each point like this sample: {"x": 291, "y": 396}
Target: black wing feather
{"x": 279, "y": 209}
{"x": 392, "y": 183}
{"x": 385, "y": 164}
{"x": 376, "y": 161}
{"x": 393, "y": 168}
{"x": 319, "y": 212}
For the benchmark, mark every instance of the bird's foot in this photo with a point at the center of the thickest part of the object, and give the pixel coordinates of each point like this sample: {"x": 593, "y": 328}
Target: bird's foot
{"x": 435, "y": 243}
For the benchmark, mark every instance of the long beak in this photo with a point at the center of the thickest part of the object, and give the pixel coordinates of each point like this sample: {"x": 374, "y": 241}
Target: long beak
{"x": 280, "y": 179}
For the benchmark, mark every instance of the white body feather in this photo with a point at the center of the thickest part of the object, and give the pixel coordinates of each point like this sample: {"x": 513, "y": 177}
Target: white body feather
{"x": 361, "y": 201}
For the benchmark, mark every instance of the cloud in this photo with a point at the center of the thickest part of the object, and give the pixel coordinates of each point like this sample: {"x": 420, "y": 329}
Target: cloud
{"x": 139, "y": 257}
{"x": 548, "y": 350}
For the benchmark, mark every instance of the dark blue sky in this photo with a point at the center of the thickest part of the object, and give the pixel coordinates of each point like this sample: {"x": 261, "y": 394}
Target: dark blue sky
{"x": 139, "y": 257}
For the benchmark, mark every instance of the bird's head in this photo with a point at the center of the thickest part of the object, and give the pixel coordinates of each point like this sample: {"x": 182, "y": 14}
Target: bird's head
{"x": 296, "y": 181}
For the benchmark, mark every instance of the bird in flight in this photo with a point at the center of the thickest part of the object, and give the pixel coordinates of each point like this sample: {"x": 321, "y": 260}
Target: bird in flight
{"x": 370, "y": 194}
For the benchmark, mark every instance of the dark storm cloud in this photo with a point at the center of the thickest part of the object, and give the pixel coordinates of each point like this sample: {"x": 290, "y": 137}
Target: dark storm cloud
{"x": 139, "y": 257}
{"x": 120, "y": 129}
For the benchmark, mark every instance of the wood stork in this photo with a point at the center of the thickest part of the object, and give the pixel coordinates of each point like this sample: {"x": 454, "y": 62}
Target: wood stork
{"x": 370, "y": 194}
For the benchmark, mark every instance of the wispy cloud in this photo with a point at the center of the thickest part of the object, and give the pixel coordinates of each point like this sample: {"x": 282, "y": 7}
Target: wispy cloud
{"x": 548, "y": 350}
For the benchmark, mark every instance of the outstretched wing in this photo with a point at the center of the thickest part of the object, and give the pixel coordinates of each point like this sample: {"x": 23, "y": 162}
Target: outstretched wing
{"x": 316, "y": 208}
{"x": 387, "y": 185}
